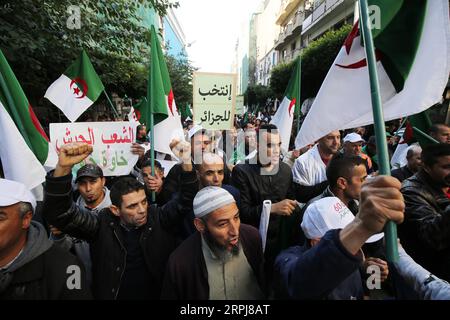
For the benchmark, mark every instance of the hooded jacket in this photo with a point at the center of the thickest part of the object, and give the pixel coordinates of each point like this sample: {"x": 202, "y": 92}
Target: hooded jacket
{"x": 42, "y": 271}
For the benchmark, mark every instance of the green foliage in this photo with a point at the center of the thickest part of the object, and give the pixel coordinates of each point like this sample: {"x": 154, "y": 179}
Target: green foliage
{"x": 256, "y": 96}
{"x": 279, "y": 78}
{"x": 39, "y": 46}
{"x": 316, "y": 61}
{"x": 180, "y": 71}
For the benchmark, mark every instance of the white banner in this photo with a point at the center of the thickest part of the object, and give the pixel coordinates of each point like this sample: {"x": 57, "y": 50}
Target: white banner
{"x": 214, "y": 96}
{"x": 111, "y": 142}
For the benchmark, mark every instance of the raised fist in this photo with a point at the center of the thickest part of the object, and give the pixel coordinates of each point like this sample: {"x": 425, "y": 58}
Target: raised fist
{"x": 70, "y": 155}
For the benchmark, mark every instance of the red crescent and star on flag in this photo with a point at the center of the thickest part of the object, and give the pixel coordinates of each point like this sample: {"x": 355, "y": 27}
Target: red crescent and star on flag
{"x": 348, "y": 46}
{"x": 170, "y": 101}
{"x": 291, "y": 105}
{"x": 79, "y": 82}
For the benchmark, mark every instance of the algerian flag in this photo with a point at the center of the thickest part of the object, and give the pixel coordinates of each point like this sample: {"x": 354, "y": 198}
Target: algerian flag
{"x": 77, "y": 89}
{"x": 160, "y": 101}
{"x": 24, "y": 146}
{"x": 284, "y": 116}
{"x": 413, "y": 53}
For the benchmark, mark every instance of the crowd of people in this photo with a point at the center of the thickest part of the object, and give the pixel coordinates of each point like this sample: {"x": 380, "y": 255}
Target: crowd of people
{"x": 236, "y": 218}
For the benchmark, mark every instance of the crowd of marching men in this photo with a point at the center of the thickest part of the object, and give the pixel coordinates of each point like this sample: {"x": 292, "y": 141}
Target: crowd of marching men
{"x": 236, "y": 218}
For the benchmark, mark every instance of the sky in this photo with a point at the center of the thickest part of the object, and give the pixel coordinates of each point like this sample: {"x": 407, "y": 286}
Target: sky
{"x": 212, "y": 26}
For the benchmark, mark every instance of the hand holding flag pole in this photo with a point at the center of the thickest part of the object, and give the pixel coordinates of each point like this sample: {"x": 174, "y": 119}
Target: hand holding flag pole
{"x": 390, "y": 231}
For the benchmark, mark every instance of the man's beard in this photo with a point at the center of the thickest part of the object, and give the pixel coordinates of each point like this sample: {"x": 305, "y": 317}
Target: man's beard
{"x": 219, "y": 250}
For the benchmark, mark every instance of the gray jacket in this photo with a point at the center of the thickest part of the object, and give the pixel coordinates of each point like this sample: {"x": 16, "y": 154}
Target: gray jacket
{"x": 424, "y": 283}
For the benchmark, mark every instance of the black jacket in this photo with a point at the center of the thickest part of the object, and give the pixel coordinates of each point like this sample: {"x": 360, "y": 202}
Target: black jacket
{"x": 402, "y": 173}
{"x": 104, "y": 233}
{"x": 46, "y": 277}
{"x": 425, "y": 233}
{"x": 255, "y": 188}
{"x": 186, "y": 277}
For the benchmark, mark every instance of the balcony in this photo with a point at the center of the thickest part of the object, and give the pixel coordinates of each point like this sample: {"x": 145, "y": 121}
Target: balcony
{"x": 320, "y": 11}
{"x": 286, "y": 8}
{"x": 291, "y": 30}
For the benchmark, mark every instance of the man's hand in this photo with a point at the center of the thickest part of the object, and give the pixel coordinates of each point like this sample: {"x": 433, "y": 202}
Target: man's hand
{"x": 284, "y": 207}
{"x": 55, "y": 231}
{"x": 137, "y": 149}
{"x": 182, "y": 150}
{"x": 70, "y": 155}
{"x": 381, "y": 201}
{"x": 153, "y": 183}
{"x": 381, "y": 264}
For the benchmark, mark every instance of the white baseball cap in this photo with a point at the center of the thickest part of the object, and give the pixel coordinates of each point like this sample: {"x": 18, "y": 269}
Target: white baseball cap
{"x": 326, "y": 214}
{"x": 12, "y": 192}
{"x": 353, "y": 137}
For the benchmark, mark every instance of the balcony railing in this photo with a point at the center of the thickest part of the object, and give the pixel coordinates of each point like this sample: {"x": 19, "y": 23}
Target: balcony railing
{"x": 319, "y": 11}
{"x": 294, "y": 25}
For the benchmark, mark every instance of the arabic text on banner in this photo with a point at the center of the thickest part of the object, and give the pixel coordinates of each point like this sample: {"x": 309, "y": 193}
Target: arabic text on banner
{"x": 111, "y": 143}
{"x": 214, "y": 100}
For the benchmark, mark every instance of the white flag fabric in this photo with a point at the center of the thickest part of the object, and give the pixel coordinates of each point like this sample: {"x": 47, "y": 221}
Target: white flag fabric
{"x": 344, "y": 99}
{"x": 283, "y": 119}
{"x": 167, "y": 130}
{"x": 18, "y": 161}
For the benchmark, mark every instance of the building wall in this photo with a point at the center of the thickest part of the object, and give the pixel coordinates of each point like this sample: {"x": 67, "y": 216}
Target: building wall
{"x": 175, "y": 45}
{"x": 242, "y": 57}
{"x": 149, "y": 17}
{"x": 173, "y": 34}
{"x": 289, "y": 40}
{"x": 319, "y": 16}
{"x": 327, "y": 15}
{"x": 266, "y": 34}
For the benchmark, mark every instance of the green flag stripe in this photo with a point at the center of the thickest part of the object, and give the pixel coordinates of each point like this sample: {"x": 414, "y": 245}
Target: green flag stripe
{"x": 293, "y": 88}
{"x": 399, "y": 36}
{"x": 18, "y": 109}
{"x": 158, "y": 82}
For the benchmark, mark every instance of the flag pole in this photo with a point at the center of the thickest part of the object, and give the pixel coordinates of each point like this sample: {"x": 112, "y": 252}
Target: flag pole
{"x": 152, "y": 149}
{"x": 13, "y": 109}
{"x": 390, "y": 231}
{"x": 152, "y": 143}
{"x": 299, "y": 91}
{"x": 111, "y": 104}
{"x": 424, "y": 135}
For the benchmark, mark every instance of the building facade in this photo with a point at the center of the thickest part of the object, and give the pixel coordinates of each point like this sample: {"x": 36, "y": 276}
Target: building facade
{"x": 303, "y": 21}
{"x": 174, "y": 37}
{"x": 266, "y": 33}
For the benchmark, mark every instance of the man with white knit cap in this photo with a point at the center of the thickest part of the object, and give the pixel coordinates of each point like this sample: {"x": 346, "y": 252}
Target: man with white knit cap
{"x": 223, "y": 260}
{"x": 31, "y": 267}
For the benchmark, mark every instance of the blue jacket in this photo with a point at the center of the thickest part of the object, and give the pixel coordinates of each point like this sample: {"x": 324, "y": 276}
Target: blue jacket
{"x": 325, "y": 271}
